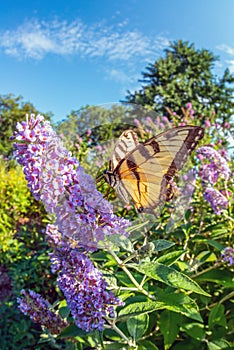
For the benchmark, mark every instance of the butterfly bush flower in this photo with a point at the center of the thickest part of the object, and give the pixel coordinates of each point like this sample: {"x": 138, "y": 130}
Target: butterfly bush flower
{"x": 216, "y": 199}
{"x": 191, "y": 113}
{"x": 82, "y": 215}
{"x": 207, "y": 123}
{"x": 82, "y": 284}
{"x": 228, "y": 255}
{"x": 188, "y": 105}
{"x": 59, "y": 181}
{"x": 217, "y": 166}
{"x": 214, "y": 167}
{"x": 37, "y": 308}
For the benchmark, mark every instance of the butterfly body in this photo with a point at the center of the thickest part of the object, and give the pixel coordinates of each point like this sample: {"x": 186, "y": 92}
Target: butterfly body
{"x": 143, "y": 171}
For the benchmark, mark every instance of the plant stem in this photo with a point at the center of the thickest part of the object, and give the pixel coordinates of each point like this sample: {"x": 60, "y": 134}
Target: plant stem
{"x": 118, "y": 331}
{"x": 229, "y": 296}
{"x": 128, "y": 273}
{"x": 208, "y": 269}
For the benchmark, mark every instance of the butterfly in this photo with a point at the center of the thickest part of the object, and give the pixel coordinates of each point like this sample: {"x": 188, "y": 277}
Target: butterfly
{"x": 143, "y": 171}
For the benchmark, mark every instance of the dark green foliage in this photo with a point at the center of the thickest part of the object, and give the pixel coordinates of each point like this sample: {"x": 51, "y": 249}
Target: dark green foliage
{"x": 29, "y": 269}
{"x": 24, "y": 261}
{"x": 185, "y": 75}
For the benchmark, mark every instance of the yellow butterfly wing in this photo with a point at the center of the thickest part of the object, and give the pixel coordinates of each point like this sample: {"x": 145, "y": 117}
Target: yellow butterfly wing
{"x": 127, "y": 142}
{"x": 144, "y": 172}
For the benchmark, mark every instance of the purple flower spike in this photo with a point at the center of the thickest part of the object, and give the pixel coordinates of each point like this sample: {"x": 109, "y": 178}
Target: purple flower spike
{"x": 58, "y": 180}
{"x": 228, "y": 255}
{"x": 82, "y": 284}
{"x": 216, "y": 199}
{"x": 37, "y": 308}
{"x": 217, "y": 166}
{"x": 83, "y": 219}
{"x": 85, "y": 292}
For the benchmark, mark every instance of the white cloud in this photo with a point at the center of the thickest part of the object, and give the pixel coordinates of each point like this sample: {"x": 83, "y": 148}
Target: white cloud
{"x": 37, "y": 39}
{"x": 226, "y": 48}
{"x": 121, "y": 76}
{"x": 118, "y": 75}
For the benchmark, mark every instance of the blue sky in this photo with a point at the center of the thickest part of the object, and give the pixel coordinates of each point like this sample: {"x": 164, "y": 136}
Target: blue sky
{"x": 61, "y": 55}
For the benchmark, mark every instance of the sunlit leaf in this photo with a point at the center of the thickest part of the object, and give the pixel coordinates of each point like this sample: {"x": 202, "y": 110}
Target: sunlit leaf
{"x": 162, "y": 244}
{"x": 218, "y": 345}
{"x": 169, "y": 276}
{"x": 177, "y": 302}
{"x": 170, "y": 258}
{"x": 206, "y": 256}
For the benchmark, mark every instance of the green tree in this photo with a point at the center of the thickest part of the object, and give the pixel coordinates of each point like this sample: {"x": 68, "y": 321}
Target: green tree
{"x": 12, "y": 110}
{"x": 99, "y": 119}
{"x": 185, "y": 75}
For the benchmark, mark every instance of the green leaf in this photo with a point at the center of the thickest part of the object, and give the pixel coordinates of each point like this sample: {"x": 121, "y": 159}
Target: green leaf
{"x": 206, "y": 256}
{"x": 211, "y": 242}
{"x": 146, "y": 345}
{"x": 218, "y": 345}
{"x": 72, "y": 331}
{"x": 221, "y": 277}
{"x": 122, "y": 242}
{"x": 162, "y": 244}
{"x": 219, "y": 332}
{"x": 213, "y": 346}
{"x": 188, "y": 344}
{"x": 116, "y": 346}
{"x": 177, "y": 302}
{"x": 109, "y": 278}
{"x": 137, "y": 325}
{"x": 188, "y": 214}
{"x": 217, "y": 316}
{"x": 169, "y": 276}
{"x": 169, "y": 324}
{"x": 215, "y": 244}
{"x": 125, "y": 280}
{"x": 61, "y": 303}
{"x": 64, "y": 311}
{"x": 113, "y": 336}
{"x": 217, "y": 230}
{"x": 195, "y": 330}
{"x": 170, "y": 258}
{"x": 101, "y": 255}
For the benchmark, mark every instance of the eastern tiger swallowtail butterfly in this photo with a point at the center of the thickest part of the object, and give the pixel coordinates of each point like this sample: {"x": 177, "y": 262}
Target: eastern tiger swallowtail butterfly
{"x": 143, "y": 171}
